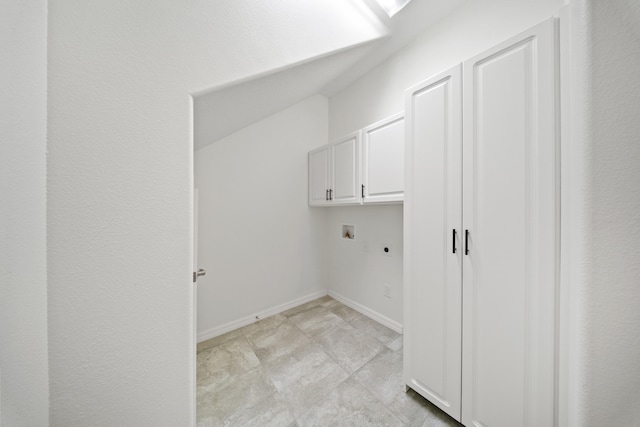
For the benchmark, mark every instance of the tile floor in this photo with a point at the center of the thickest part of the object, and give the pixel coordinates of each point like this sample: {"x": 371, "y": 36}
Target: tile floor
{"x": 318, "y": 364}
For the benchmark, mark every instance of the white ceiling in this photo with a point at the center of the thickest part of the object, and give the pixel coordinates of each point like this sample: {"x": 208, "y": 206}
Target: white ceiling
{"x": 322, "y": 46}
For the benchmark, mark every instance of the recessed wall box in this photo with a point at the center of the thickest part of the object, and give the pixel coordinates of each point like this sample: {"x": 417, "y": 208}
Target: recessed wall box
{"x": 348, "y": 232}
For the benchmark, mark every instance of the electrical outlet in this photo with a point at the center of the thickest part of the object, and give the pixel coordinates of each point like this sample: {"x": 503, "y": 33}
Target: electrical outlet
{"x": 387, "y": 291}
{"x": 386, "y": 249}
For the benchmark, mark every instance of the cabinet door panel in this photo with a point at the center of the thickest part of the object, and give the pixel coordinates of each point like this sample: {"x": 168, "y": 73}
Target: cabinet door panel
{"x": 383, "y": 160}
{"x": 432, "y": 210}
{"x": 346, "y": 169}
{"x": 510, "y": 211}
{"x": 318, "y": 176}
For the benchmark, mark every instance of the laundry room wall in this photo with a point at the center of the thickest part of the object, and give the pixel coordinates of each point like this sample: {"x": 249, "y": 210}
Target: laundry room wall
{"x": 262, "y": 245}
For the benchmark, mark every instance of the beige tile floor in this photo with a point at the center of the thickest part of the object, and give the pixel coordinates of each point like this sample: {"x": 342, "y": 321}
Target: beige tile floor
{"x": 318, "y": 364}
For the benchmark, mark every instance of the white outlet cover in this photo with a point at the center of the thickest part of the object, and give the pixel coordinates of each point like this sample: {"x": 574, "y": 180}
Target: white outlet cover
{"x": 387, "y": 291}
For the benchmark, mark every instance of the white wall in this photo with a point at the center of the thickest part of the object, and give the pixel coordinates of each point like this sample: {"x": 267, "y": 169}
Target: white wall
{"x": 359, "y": 269}
{"x": 472, "y": 28}
{"x": 24, "y": 397}
{"x": 120, "y": 174}
{"x": 606, "y": 256}
{"x": 259, "y": 241}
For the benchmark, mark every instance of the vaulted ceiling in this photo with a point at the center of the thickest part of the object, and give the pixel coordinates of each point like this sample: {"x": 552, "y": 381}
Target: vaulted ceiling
{"x": 307, "y": 47}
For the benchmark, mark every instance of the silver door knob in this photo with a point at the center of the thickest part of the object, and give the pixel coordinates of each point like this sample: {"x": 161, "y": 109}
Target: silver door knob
{"x": 200, "y": 272}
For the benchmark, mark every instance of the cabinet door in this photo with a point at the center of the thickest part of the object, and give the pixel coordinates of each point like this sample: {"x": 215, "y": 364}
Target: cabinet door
{"x": 383, "y": 160}
{"x": 510, "y": 182}
{"x": 345, "y": 185}
{"x": 432, "y": 211}
{"x": 319, "y": 176}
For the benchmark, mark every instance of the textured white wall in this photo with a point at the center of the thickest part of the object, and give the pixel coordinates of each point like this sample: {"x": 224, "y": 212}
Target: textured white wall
{"x": 605, "y": 388}
{"x": 472, "y": 28}
{"x": 119, "y": 216}
{"x": 23, "y": 263}
{"x": 119, "y": 212}
{"x": 260, "y": 242}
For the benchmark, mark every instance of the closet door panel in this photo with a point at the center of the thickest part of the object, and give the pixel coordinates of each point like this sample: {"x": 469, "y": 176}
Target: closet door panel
{"x": 432, "y": 211}
{"x": 510, "y": 211}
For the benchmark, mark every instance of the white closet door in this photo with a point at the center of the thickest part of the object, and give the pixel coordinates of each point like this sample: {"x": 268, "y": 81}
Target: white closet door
{"x": 433, "y": 205}
{"x": 510, "y": 210}
{"x": 319, "y": 176}
{"x": 383, "y": 160}
{"x": 346, "y": 170}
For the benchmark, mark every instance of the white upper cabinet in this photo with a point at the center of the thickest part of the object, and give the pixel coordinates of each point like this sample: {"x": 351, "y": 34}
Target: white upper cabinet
{"x": 319, "y": 176}
{"x": 366, "y": 165}
{"x": 334, "y": 172}
{"x": 383, "y": 160}
{"x": 345, "y": 161}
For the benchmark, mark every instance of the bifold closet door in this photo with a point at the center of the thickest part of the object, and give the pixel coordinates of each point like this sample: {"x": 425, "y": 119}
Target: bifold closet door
{"x": 433, "y": 243}
{"x": 510, "y": 211}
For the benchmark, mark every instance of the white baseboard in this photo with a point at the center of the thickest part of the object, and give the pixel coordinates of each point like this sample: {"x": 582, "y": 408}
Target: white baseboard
{"x": 228, "y": 327}
{"x": 391, "y": 324}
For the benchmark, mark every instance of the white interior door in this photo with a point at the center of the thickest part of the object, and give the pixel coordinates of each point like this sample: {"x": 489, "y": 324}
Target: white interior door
{"x": 433, "y": 253}
{"x": 510, "y": 212}
{"x": 195, "y": 230}
{"x": 195, "y": 288}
